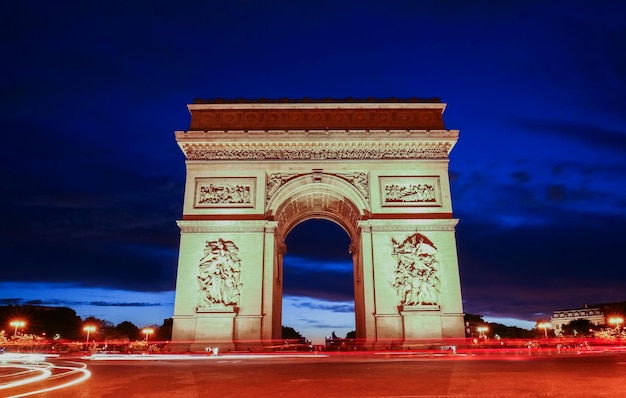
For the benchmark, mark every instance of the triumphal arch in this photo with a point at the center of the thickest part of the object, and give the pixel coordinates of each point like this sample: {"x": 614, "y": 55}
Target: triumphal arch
{"x": 256, "y": 169}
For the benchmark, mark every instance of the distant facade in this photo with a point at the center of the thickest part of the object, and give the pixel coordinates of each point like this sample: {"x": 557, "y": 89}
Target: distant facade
{"x": 255, "y": 170}
{"x": 564, "y": 317}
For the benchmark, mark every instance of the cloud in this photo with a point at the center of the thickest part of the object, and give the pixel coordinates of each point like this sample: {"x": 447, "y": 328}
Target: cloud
{"x": 73, "y": 303}
{"x": 518, "y": 272}
{"x": 597, "y": 136}
{"x": 322, "y": 305}
{"x": 317, "y": 278}
{"x": 11, "y": 301}
{"x": 317, "y": 263}
{"x": 316, "y": 318}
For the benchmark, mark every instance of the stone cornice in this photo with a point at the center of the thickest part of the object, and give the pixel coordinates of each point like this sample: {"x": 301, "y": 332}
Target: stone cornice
{"x": 300, "y": 145}
{"x": 221, "y": 226}
{"x": 409, "y": 225}
{"x": 315, "y": 101}
{"x": 315, "y": 105}
{"x": 331, "y": 134}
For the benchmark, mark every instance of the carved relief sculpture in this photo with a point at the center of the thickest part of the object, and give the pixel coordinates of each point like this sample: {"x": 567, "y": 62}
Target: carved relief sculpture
{"x": 416, "y": 276}
{"x": 410, "y": 193}
{"x": 218, "y": 275}
{"x": 204, "y": 152}
{"x": 224, "y": 194}
{"x": 275, "y": 181}
{"x": 359, "y": 180}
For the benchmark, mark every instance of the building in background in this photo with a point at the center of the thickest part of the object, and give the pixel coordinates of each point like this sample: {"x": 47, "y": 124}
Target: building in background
{"x": 563, "y": 317}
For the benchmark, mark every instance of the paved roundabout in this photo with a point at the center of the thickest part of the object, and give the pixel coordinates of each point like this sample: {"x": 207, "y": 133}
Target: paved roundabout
{"x": 371, "y": 374}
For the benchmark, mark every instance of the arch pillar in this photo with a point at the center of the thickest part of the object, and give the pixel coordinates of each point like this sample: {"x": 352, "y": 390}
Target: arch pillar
{"x": 272, "y": 277}
{"x": 364, "y": 282}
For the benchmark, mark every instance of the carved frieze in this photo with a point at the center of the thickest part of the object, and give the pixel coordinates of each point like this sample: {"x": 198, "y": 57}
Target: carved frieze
{"x": 225, "y": 192}
{"x": 198, "y": 151}
{"x": 410, "y": 191}
{"x": 219, "y": 277}
{"x": 416, "y": 272}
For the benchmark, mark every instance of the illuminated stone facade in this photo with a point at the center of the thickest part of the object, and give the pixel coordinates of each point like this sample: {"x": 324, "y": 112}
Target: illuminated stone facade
{"x": 255, "y": 170}
{"x": 564, "y": 317}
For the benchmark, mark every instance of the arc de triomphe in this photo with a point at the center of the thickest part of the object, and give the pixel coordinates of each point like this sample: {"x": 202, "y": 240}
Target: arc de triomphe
{"x": 256, "y": 169}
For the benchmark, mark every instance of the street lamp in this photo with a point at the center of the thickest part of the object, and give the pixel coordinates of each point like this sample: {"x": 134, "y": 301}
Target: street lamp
{"x": 481, "y": 331}
{"x": 148, "y": 332}
{"x": 17, "y": 324}
{"x": 545, "y": 326}
{"x": 617, "y": 321}
{"x": 89, "y": 329}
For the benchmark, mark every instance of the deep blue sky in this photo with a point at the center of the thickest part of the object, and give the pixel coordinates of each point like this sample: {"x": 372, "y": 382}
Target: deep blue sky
{"x": 93, "y": 179}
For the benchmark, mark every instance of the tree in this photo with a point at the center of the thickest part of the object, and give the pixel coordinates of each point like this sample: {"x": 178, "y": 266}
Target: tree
{"x": 473, "y": 319}
{"x": 164, "y": 332}
{"x": 509, "y": 332}
{"x": 104, "y": 329}
{"x": 579, "y": 327}
{"x": 127, "y": 330}
{"x": 291, "y": 333}
{"x": 43, "y": 321}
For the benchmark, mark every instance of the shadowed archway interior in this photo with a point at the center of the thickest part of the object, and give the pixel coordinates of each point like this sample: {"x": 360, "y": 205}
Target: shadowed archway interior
{"x": 318, "y": 280}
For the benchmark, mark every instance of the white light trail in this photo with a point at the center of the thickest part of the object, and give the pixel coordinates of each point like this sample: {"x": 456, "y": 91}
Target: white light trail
{"x": 25, "y": 365}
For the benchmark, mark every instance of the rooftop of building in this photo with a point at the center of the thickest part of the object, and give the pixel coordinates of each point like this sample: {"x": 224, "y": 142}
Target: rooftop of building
{"x": 349, "y": 100}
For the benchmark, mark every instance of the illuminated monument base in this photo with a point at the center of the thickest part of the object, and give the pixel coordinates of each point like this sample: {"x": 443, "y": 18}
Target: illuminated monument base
{"x": 255, "y": 170}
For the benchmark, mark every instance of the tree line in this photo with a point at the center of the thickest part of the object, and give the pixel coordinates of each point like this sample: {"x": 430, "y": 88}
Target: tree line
{"x": 58, "y": 323}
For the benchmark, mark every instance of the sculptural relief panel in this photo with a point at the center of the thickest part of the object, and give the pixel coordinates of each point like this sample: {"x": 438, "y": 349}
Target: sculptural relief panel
{"x": 218, "y": 278}
{"x": 416, "y": 272}
{"x": 410, "y": 191}
{"x": 225, "y": 192}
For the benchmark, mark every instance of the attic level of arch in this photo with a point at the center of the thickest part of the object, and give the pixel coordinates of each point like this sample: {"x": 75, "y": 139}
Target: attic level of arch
{"x": 422, "y": 116}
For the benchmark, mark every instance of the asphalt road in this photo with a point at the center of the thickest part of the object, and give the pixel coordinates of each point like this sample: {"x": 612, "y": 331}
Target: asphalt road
{"x": 351, "y": 375}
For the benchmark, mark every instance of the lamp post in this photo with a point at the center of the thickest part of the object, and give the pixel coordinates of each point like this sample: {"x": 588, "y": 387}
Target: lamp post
{"x": 148, "y": 332}
{"x": 617, "y": 321}
{"x": 545, "y": 326}
{"x": 17, "y": 324}
{"x": 89, "y": 329}
{"x": 481, "y": 331}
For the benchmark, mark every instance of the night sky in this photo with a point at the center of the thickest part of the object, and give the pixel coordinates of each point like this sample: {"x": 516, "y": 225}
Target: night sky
{"x": 92, "y": 177}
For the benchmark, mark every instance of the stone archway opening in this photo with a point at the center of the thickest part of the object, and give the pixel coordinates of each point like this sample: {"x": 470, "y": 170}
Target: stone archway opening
{"x": 322, "y": 196}
{"x": 318, "y": 281}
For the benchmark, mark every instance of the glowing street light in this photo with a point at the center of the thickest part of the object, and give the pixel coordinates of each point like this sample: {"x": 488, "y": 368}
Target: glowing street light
{"x": 148, "y": 332}
{"x": 17, "y": 324}
{"x": 617, "y": 321}
{"x": 89, "y": 329}
{"x": 481, "y": 331}
{"x": 545, "y": 326}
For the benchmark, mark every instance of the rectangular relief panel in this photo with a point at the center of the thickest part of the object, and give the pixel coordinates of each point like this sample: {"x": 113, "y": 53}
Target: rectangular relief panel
{"x": 422, "y": 191}
{"x": 225, "y": 192}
